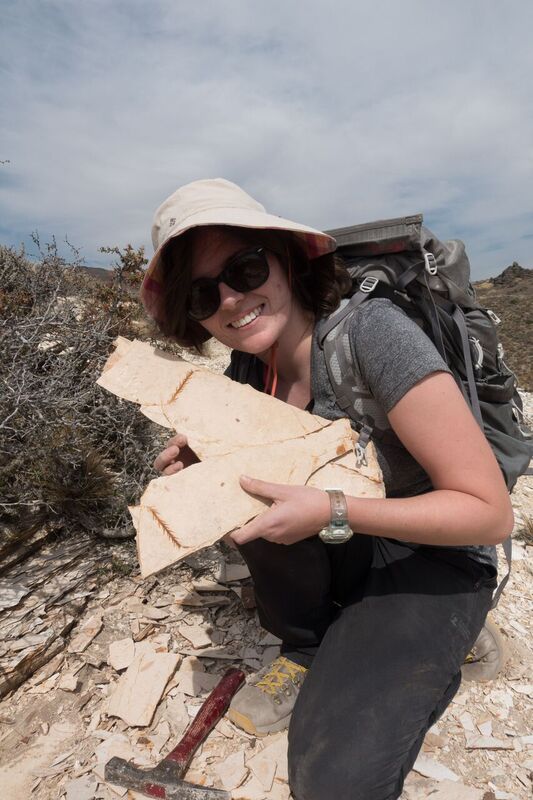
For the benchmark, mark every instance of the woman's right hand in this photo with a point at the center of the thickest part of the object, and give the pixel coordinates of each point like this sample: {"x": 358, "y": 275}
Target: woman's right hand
{"x": 176, "y": 456}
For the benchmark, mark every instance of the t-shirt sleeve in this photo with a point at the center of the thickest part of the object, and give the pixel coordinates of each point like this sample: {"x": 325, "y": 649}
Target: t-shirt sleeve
{"x": 392, "y": 351}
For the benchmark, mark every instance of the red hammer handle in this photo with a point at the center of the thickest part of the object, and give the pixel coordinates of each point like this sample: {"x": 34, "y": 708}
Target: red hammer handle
{"x": 212, "y": 710}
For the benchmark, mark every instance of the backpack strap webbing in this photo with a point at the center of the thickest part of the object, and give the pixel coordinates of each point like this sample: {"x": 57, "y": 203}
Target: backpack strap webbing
{"x": 409, "y": 275}
{"x": 459, "y": 319}
{"x": 340, "y": 314}
{"x": 508, "y": 550}
{"x": 346, "y": 390}
{"x": 370, "y": 287}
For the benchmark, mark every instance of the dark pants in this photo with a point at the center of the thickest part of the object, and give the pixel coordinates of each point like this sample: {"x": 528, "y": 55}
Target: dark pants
{"x": 384, "y": 627}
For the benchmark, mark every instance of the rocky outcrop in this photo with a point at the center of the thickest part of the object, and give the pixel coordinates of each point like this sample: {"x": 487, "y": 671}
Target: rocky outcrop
{"x": 511, "y": 274}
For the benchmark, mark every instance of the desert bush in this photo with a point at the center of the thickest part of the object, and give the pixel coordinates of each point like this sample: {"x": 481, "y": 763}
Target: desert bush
{"x": 71, "y": 454}
{"x": 525, "y": 531}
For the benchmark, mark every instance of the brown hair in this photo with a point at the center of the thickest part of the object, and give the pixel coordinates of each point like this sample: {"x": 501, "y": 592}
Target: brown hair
{"x": 318, "y": 285}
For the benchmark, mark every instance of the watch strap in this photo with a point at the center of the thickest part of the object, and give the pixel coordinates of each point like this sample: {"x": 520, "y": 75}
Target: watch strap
{"x": 338, "y": 530}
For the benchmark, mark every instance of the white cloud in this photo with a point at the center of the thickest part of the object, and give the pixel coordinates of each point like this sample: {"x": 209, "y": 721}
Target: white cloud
{"x": 329, "y": 113}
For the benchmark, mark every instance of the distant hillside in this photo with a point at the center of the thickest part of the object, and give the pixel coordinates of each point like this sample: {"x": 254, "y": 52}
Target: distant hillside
{"x": 510, "y": 296}
{"x": 98, "y": 273}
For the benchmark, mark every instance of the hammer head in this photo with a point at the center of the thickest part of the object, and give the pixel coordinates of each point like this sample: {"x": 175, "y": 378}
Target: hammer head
{"x": 162, "y": 781}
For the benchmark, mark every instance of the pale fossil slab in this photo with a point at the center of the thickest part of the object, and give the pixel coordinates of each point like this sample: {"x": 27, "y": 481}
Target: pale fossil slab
{"x": 234, "y": 430}
{"x": 140, "y": 688}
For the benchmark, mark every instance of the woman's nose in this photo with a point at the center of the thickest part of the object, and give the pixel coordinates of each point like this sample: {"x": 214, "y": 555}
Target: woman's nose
{"x": 229, "y": 297}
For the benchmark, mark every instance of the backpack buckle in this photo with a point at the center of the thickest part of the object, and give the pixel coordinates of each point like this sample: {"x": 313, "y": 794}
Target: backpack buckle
{"x": 431, "y": 263}
{"x": 494, "y": 317}
{"x": 360, "y": 456}
{"x": 368, "y": 284}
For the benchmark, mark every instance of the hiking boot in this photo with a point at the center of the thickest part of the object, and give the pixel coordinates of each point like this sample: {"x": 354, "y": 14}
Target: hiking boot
{"x": 264, "y": 705}
{"x": 487, "y": 657}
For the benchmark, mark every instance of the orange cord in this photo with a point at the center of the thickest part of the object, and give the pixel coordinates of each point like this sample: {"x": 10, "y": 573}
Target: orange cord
{"x": 274, "y": 369}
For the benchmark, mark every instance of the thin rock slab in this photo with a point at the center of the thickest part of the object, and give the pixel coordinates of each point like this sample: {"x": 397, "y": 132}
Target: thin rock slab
{"x": 244, "y": 432}
{"x": 83, "y": 788}
{"x": 176, "y": 713}
{"x": 196, "y": 635}
{"x": 185, "y": 512}
{"x": 479, "y": 742}
{"x": 11, "y": 594}
{"x": 177, "y": 394}
{"x": 276, "y": 750}
{"x": 232, "y": 772}
{"x": 452, "y": 790}
{"x": 68, "y": 682}
{"x": 206, "y": 585}
{"x": 430, "y": 768}
{"x": 446, "y": 790}
{"x": 251, "y": 790}
{"x": 141, "y": 687}
{"x": 85, "y": 634}
{"x": 121, "y": 653}
{"x": 218, "y": 653}
{"x": 236, "y": 572}
{"x": 188, "y": 597}
{"x": 263, "y": 768}
{"x": 194, "y": 683}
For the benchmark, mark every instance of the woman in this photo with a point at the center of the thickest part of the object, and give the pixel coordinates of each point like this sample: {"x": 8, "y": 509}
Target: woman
{"x": 377, "y": 626}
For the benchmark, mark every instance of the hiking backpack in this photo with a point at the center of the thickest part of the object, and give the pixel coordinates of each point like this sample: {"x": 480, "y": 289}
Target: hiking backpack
{"x": 402, "y": 260}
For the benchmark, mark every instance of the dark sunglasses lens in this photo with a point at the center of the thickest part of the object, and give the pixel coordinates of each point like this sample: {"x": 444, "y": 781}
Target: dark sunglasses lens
{"x": 247, "y": 272}
{"x": 244, "y": 273}
{"x": 204, "y": 299}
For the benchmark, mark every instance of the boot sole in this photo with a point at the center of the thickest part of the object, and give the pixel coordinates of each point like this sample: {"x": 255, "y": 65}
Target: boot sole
{"x": 244, "y": 722}
{"x": 479, "y": 671}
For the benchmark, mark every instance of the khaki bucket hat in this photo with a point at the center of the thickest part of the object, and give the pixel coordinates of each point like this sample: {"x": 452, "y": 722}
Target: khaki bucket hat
{"x": 216, "y": 202}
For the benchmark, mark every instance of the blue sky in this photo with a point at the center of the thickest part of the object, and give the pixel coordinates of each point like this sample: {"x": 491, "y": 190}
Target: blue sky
{"x": 328, "y": 113}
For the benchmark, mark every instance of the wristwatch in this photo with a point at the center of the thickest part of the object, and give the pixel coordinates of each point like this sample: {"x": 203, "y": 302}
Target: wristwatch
{"x": 338, "y": 530}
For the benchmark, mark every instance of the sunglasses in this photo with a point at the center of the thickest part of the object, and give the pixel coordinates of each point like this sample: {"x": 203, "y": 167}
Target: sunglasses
{"x": 243, "y": 272}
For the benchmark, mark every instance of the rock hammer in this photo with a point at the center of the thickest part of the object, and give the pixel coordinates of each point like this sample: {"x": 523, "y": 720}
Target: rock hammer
{"x": 166, "y": 779}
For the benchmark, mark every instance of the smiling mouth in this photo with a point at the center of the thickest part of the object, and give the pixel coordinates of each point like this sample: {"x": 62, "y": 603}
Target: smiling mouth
{"x": 248, "y": 318}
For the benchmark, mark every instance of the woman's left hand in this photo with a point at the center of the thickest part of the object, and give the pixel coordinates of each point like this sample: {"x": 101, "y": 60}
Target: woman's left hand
{"x": 296, "y": 513}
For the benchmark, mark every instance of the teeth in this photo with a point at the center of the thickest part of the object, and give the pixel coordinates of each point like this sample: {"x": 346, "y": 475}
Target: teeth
{"x": 247, "y": 319}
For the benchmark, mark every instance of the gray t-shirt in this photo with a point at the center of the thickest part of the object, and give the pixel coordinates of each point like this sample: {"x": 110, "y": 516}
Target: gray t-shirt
{"x": 392, "y": 355}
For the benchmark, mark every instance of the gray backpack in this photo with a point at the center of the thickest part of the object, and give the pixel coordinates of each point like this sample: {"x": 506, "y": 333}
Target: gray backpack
{"x": 403, "y": 261}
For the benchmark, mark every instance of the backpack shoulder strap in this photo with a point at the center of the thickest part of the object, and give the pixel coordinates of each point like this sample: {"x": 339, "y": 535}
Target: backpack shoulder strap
{"x": 366, "y": 287}
{"x": 341, "y": 359}
{"x": 508, "y": 550}
{"x": 343, "y": 382}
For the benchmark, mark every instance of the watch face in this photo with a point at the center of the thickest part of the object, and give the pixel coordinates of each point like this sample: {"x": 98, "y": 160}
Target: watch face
{"x": 336, "y": 535}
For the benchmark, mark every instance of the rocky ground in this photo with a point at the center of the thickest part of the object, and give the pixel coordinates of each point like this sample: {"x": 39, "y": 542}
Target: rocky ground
{"x": 171, "y": 636}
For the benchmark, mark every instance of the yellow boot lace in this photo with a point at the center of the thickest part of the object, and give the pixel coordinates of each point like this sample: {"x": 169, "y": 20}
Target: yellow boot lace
{"x": 281, "y": 670}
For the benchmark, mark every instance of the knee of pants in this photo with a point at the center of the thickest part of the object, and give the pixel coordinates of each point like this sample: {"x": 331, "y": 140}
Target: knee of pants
{"x": 323, "y": 772}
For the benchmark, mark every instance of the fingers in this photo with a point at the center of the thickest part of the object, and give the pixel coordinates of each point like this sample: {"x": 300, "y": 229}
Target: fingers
{"x": 167, "y": 461}
{"x": 176, "y": 466}
{"x": 253, "y": 530}
{"x": 272, "y": 491}
{"x": 166, "y": 458}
